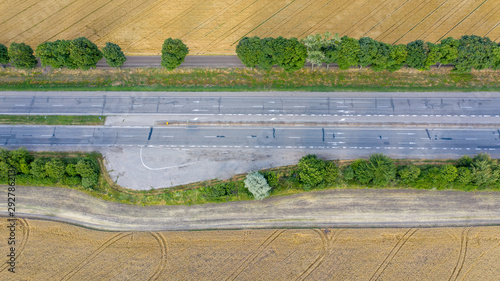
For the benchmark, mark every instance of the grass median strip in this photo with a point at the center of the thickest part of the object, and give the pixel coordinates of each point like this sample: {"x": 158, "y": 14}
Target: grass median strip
{"x": 52, "y": 120}
{"x": 234, "y": 79}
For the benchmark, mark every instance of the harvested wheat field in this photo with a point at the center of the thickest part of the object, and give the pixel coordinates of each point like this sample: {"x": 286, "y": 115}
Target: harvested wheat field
{"x": 215, "y": 26}
{"x": 56, "y": 251}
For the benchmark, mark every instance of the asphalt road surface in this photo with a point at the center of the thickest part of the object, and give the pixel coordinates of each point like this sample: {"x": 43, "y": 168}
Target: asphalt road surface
{"x": 329, "y": 208}
{"x": 189, "y": 62}
{"x": 126, "y": 103}
{"x": 402, "y": 140}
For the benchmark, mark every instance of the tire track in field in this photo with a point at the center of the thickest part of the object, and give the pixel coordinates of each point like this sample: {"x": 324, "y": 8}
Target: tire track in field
{"x": 232, "y": 29}
{"x": 422, "y": 20}
{"x": 368, "y": 16}
{"x": 207, "y": 21}
{"x": 168, "y": 23}
{"x": 400, "y": 22}
{"x": 163, "y": 261}
{"x": 394, "y": 251}
{"x": 77, "y": 22}
{"x": 26, "y": 236}
{"x": 18, "y": 13}
{"x": 461, "y": 257}
{"x": 462, "y": 20}
{"x": 297, "y": 12}
{"x": 473, "y": 28}
{"x": 327, "y": 17}
{"x": 492, "y": 30}
{"x": 328, "y": 241}
{"x": 386, "y": 17}
{"x": 476, "y": 261}
{"x": 92, "y": 256}
{"x": 56, "y": 12}
{"x": 442, "y": 20}
{"x": 250, "y": 258}
{"x": 260, "y": 24}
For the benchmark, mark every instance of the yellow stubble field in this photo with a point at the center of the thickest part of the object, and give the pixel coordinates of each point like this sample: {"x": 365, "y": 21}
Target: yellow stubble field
{"x": 57, "y": 251}
{"x": 215, "y": 26}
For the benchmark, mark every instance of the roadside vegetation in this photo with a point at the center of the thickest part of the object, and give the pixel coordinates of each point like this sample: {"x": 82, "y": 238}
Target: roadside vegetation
{"x": 319, "y": 79}
{"x": 52, "y": 120}
{"x": 86, "y": 172}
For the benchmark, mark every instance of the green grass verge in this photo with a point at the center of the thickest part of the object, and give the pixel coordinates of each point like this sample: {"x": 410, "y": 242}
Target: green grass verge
{"x": 52, "y": 120}
{"x": 247, "y": 80}
{"x": 213, "y": 191}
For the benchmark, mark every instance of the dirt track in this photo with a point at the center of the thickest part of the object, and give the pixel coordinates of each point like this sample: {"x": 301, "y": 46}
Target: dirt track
{"x": 330, "y": 208}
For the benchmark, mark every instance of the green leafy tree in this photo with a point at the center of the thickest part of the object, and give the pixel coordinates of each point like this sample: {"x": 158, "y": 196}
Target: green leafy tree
{"x": 382, "y": 168}
{"x": 347, "y": 55}
{"x": 417, "y": 54}
{"x": 84, "y": 54}
{"x": 382, "y": 58}
{"x": 409, "y": 174}
{"x": 485, "y": 170}
{"x": 113, "y": 55}
{"x": 21, "y": 56}
{"x": 272, "y": 178}
{"x": 464, "y": 175}
{"x": 311, "y": 170}
{"x": 331, "y": 173}
{"x": 4, "y": 170}
{"x": 348, "y": 173}
{"x": 289, "y": 54}
{"x": 4, "y": 54}
{"x": 449, "y": 50}
{"x": 397, "y": 57}
{"x": 448, "y": 173}
{"x": 55, "y": 168}
{"x": 173, "y": 53}
{"x": 316, "y": 45}
{"x": 368, "y": 49}
{"x": 362, "y": 172}
{"x": 474, "y": 52}
{"x": 267, "y": 53}
{"x": 496, "y": 58}
{"x": 20, "y": 159}
{"x": 465, "y": 161}
{"x": 257, "y": 185}
{"x": 38, "y": 168}
{"x": 70, "y": 170}
{"x": 249, "y": 50}
{"x": 433, "y": 55}
{"x": 47, "y": 53}
{"x": 63, "y": 54}
{"x": 88, "y": 169}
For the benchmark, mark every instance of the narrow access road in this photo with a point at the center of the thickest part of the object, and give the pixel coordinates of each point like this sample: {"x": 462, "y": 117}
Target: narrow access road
{"x": 328, "y": 208}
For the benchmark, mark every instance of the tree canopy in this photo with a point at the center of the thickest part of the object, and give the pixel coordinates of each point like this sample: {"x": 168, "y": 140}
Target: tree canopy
{"x": 113, "y": 55}
{"x": 21, "y": 56}
{"x": 173, "y": 53}
{"x": 4, "y": 54}
{"x": 256, "y": 183}
{"x": 84, "y": 54}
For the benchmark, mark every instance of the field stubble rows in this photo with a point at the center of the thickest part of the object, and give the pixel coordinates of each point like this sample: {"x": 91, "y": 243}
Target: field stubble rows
{"x": 273, "y": 254}
{"x": 215, "y": 26}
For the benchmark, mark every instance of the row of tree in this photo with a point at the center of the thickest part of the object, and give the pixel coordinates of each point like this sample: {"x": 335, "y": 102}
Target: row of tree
{"x": 465, "y": 53}
{"x": 288, "y": 54}
{"x": 380, "y": 170}
{"x": 66, "y": 171}
{"x": 83, "y": 54}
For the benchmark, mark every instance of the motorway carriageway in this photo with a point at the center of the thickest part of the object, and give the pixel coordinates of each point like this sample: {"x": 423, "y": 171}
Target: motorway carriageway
{"x": 456, "y": 141}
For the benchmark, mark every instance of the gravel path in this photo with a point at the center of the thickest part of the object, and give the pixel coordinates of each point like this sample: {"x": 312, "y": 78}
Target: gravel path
{"x": 329, "y": 208}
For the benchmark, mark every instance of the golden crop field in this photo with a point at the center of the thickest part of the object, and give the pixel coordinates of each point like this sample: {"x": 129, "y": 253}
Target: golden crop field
{"x": 56, "y": 251}
{"x": 215, "y": 26}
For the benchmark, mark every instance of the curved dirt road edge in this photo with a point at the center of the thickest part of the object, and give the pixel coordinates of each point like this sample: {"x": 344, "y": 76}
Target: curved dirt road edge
{"x": 328, "y": 208}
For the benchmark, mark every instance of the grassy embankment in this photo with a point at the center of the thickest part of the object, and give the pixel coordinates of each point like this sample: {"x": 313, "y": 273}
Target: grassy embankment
{"x": 51, "y": 120}
{"x": 214, "y": 191}
{"x": 248, "y": 80}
